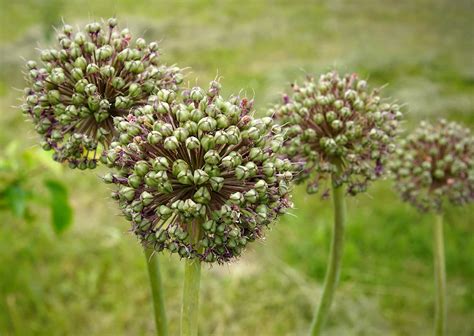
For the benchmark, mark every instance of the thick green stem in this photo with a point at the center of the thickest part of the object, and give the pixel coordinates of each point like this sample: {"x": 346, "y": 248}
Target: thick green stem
{"x": 334, "y": 262}
{"x": 157, "y": 292}
{"x": 440, "y": 277}
{"x": 190, "y": 308}
{"x": 192, "y": 281}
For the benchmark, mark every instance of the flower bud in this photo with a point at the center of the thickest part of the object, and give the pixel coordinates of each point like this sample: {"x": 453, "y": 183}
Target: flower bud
{"x": 212, "y": 157}
{"x": 202, "y": 195}
{"x": 200, "y": 177}
{"x": 192, "y": 143}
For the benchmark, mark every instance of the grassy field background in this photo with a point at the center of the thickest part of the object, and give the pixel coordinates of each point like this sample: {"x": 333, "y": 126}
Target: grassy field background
{"x": 92, "y": 279}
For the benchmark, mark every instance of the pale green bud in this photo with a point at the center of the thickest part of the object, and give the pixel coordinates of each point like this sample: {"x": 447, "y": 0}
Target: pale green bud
{"x": 200, "y": 177}
{"x": 202, "y": 195}
{"x": 241, "y": 172}
{"x": 212, "y": 157}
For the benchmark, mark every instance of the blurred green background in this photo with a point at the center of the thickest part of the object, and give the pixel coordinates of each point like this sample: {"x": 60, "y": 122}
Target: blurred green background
{"x": 91, "y": 278}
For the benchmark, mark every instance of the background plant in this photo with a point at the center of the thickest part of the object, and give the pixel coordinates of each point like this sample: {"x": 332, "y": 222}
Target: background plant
{"x": 338, "y": 132}
{"x": 434, "y": 166}
{"x": 422, "y": 49}
{"x": 21, "y": 194}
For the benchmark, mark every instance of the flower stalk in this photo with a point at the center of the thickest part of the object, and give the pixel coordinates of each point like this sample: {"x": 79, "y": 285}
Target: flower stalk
{"x": 440, "y": 276}
{"x": 334, "y": 262}
{"x": 153, "y": 266}
{"x": 192, "y": 281}
{"x": 190, "y": 307}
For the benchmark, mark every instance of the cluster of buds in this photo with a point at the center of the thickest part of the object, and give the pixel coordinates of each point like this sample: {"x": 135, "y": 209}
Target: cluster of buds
{"x": 336, "y": 124}
{"x": 435, "y": 163}
{"x": 96, "y": 75}
{"x": 198, "y": 175}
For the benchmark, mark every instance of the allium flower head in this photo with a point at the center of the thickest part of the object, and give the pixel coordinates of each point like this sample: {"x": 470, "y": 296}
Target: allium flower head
{"x": 95, "y": 75}
{"x": 337, "y": 124}
{"x": 435, "y": 164}
{"x": 196, "y": 162}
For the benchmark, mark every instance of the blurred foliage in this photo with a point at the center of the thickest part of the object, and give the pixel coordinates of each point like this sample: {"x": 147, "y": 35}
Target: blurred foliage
{"x": 93, "y": 281}
{"x": 20, "y": 192}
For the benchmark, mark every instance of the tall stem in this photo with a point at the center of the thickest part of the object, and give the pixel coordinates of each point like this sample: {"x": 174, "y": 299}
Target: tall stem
{"x": 192, "y": 281}
{"x": 334, "y": 262}
{"x": 440, "y": 277}
{"x": 157, "y": 292}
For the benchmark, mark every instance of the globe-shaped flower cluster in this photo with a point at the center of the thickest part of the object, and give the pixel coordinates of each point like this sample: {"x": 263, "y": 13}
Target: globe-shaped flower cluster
{"x": 95, "y": 75}
{"x": 337, "y": 125}
{"x": 198, "y": 175}
{"x": 435, "y": 164}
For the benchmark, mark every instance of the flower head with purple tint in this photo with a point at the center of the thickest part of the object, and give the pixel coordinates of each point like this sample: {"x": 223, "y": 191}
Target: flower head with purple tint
{"x": 336, "y": 123}
{"x": 435, "y": 165}
{"x": 95, "y": 75}
{"x": 198, "y": 175}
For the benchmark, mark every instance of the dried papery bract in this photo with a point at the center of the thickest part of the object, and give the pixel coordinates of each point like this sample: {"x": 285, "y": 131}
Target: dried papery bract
{"x": 94, "y": 75}
{"x": 198, "y": 175}
{"x": 339, "y": 132}
{"x": 435, "y": 166}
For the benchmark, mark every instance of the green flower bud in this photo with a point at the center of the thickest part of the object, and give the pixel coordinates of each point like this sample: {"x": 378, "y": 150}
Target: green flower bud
{"x": 192, "y": 143}
{"x": 141, "y": 168}
{"x": 251, "y": 196}
{"x": 146, "y": 197}
{"x": 269, "y": 169}
{"x": 221, "y": 138}
{"x": 171, "y": 143}
{"x": 77, "y": 74}
{"x": 178, "y": 166}
{"x": 261, "y": 187}
{"x": 127, "y": 193}
{"x": 237, "y": 198}
{"x": 216, "y": 183}
{"x": 160, "y": 164}
{"x": 200, "y": 177}
{"x": 134, "y": 181}
{"x": 241, "y": 172}
{"x": 181, "y": 134}
{"x": 208, "y": 142}
{"x": 212, "y": 157}
{"x": 154, "y": 137}
{"x": 207, "y": 124}
{"x": 202, "y": 195}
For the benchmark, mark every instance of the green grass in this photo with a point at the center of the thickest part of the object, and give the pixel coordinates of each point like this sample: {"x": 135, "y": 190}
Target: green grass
{"x": 92, "y": 280}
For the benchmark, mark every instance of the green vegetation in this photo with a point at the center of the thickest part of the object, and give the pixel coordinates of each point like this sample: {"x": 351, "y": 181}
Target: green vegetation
{"x": 92, "y": 279}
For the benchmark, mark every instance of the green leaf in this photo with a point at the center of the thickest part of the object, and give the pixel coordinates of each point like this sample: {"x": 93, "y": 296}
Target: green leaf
{"x": 61, "y": 211}
{"x": 15, "y": 198}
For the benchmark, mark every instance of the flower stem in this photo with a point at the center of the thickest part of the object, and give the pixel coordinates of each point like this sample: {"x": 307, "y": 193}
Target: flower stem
{"x": 440, "y": 277}
{"x": 192, "y": 281}
{"x": 157, "y": 292}
{"x": 334, "y": 262}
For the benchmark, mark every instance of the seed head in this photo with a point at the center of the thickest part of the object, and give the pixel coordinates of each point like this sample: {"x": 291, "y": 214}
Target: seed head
{"x": 337, "y": 124}
{"x": 95, "y": 75}
{"x": 198, "y": 174}
{"x": 434, "y": 165}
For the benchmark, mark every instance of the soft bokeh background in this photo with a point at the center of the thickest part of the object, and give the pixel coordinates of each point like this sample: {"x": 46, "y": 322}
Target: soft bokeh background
{"x": 91, "y": 279}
